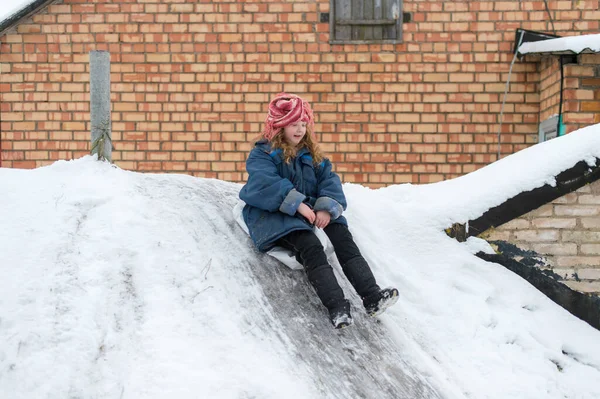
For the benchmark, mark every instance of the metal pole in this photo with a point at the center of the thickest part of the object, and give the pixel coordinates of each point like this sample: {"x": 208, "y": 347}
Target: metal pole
{"x": 100, "y": 104}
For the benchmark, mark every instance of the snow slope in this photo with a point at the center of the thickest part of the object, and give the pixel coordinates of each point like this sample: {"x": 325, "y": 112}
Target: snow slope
{"x": 128, "y": 285}
{"x": 119, "y": 284}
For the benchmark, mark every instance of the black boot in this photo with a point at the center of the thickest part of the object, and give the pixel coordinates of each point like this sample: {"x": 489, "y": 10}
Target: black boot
{"x": 341, "y": 317}
{"x": 377, "y": 303}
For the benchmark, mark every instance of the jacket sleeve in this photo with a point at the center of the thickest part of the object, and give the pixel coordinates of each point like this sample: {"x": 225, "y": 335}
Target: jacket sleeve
{"x": 266, "y": 189}
{"x": 330, "y": 195}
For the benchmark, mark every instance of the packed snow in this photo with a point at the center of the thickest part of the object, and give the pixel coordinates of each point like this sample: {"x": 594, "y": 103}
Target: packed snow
{"x": 118, "y": 284}
{"x": 574, "y": 44}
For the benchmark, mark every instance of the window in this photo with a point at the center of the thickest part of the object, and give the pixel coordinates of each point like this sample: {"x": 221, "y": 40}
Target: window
{"x": 365, "y": 21}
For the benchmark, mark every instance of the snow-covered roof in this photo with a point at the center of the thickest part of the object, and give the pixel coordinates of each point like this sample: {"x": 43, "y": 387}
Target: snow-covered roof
{"x": 585, "y": 44}
{"x": 11, "y": 12}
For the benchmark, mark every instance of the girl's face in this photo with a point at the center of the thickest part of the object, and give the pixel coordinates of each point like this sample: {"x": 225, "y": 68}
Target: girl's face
{"x": 294, "y": 132}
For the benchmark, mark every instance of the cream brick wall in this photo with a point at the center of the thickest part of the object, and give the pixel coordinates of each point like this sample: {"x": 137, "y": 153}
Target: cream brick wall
{"x": 549, "y": 86}
{"x": 567, "y": 232}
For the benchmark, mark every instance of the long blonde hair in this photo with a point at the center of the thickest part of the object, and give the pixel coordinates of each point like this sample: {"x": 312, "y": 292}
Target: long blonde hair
{"x": 278, "y": 141}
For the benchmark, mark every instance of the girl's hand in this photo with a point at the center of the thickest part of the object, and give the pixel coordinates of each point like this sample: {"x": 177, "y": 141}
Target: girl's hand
{"x": 322, "y": 220}
{"x": 308, "y": 213}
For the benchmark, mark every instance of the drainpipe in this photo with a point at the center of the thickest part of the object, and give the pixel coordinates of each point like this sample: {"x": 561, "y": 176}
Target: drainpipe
{"x": 506, "y": 90}
{"x": 559, "y": 124}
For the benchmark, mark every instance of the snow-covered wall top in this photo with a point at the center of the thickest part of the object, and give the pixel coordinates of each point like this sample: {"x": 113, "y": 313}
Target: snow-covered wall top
{"x": 470, "y": 196}
{"x": 565, "y": 45}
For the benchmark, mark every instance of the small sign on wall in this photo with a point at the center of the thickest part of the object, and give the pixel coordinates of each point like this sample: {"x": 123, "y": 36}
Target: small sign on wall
{"x": 548, "y": 129}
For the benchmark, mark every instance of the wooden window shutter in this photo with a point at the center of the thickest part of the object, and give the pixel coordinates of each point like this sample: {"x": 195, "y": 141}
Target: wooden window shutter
{"x": 366, "y": 21}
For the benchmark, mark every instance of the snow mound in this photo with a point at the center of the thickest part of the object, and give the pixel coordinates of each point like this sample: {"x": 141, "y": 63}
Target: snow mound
{"x": 123, "y": 285}
{"x": 129, "y": 285}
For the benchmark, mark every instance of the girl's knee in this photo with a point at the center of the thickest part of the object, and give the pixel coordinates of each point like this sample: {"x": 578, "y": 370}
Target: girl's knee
{"x": 310, "y": 250}
{"x": 305, "y": 238}
{"x": 311, "y": 243}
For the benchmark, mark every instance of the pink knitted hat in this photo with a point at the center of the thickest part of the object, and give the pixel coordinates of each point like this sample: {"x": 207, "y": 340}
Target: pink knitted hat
{"x": 286, "y": 109}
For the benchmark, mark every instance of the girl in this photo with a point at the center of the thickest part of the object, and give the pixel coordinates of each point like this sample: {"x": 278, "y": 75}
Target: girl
{"x": 291, "y": 189}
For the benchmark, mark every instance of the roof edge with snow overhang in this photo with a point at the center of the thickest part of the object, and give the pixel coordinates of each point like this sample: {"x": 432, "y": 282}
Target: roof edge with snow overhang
{"x": 28, "y": 9}
{"x": 571, "y": 45}
{"x": 566, "y": 182}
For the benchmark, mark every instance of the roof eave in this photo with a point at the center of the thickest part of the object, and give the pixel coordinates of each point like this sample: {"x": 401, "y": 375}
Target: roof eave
{"x": 25, "y": 12}
{"x": 561, "y": 52}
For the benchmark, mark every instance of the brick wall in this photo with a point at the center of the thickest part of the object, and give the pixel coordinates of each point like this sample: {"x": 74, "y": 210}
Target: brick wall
{"x": 567, "y": 231}
{"x": 582, "y": 92}
{"x": 190, "y": 84}
{"x": 549, "y": 86}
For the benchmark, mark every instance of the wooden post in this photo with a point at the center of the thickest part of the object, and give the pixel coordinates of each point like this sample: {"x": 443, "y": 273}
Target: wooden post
{"x": 100, "y": 104}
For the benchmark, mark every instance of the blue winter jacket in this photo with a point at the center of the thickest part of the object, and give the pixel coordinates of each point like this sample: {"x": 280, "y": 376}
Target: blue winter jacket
{"x": 275, "y": 189}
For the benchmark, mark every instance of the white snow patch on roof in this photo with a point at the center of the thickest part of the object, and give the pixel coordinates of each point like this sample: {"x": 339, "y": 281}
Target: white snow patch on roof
{"x": 10, "y": 7}
{"x": 574, "y": 44}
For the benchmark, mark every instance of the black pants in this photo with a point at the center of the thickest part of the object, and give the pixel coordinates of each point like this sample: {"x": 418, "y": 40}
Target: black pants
{"x": 310, "y": 253}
